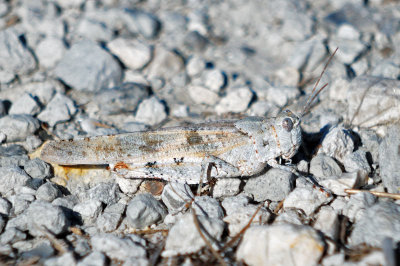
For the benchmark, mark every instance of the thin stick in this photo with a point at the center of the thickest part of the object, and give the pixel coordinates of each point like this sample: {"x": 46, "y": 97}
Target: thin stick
{"x": 213, "y": 251}
{"x": 375, "y": 193}
{"x": 312, "y": 95}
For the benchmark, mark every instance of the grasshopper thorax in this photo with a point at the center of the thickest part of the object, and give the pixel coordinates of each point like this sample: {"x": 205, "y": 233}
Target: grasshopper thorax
{"x": 288, "y": 133}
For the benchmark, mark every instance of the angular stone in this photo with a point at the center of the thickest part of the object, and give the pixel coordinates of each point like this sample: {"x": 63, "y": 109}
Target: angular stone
{"x": 85, "y": 66}
{"x": 389, "y": 157}
{"x": 26, "y": 104}
{"x": 12, "y": 178}
{"x": 117, "y": 248}
{"x": 337, "y": 143}
{"x": 50, "y": 51}
{"x": 151, "y": 111}
{"x": 60, "y": 109}
{"x": 18, "y": 127}
{"x": 132, "y": 53}
{"x": 324, "y": 166}
{"x": 274, "y": 185}
{"x": 175, "y": 195}
{"x": 144, "y": 210}
{"x": 202, "y": 95}
{"x": 207, "y": 206}
{"x": 184, "y": 238}
{"x": 306, "y": 199}
{"x": 15, "y": 57}
{"x": 141, "y": 22}
{"x": 378, "y": 222}
{"x": 226, "y": 187}
{"x": 280, "y": 245}
{"x": 237, "y": 100}
{"x": 48, "y": 192}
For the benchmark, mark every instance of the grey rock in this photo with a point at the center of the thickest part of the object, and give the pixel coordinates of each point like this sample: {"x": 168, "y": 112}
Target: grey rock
{"x": 306, "y": 199}
{"x": 12, "y": 235}
{"x": 389, "y": 159}
{"x": 226, "y": 187}
{"x": 59, "y": 109}
{"x": 117, "y": 248}
{"x": 144, "y": 210}
{"x": 349, "y": 49}
{"x": 104, "y": 192}
{"x": 324, "y": 166}
{"x": 367, "y": 95}
{"x": 128, "y": 186}
{"x": 68, "y": 201}
{"x": 50, "y": 51}
{"x": 141, "y": 22}
{"x": 15, "y": 56}
{"x": 184, "y": 238}
{"x": 175, "y": 195}
{"x": 274, "y": 185}
{"x": 195, "y": 42}
{"x": 26, "y": 104}
{"x": 82, "y": 246}
{"x": 195, "y": 66}
{"x": 280, "y": 95}
{"x": 239, "y": 212}
{"x": 67, "y": 258}
{"x": 357, "y": 161}
{"x": 337, "y": 143}
{"x": 202, "y": 95}
{"x": 207, "y": 206}
{"x": 132, "y": 53}
{"x": 379, "y": 221}
{"x": 357, "y": 205}
{"x": 237, "y": 100}
{"x": 327, "y": 221}
{"x": 89, "y": 210}
{"x": 32, "y": 143}
{"x": 44, "y": 215}
{"x": 165, "y": 63}
{"x": 124, "y": 98}
{"x": 214, "y": 79}
{"x": 370, "y": 142}
{"x": 5, "y": 206}
{"x": 37, "y": 168}
{"x": 12, "y": 178}
{"x": 337, "y": 184}
{"x": 48, "y": 192}
{"x": 85, "y": 66}
{"x": 109, "y": 220}
{"x": 41, "y": 248}
{"x": 273, "y": 245}
{"x": 95, "y": 258}
{"x": 290, "y": 216}
{"x": 20, "y": 202}
{"x": 386, "y": 69}
{"x": 288, "y": 77}
{"x": 136, "y": 262}
{"x": 18, "y": 127}
{"x": 151, "y": 111}
{"x": 308, "y": 54}
{"x": 94, "y": 30}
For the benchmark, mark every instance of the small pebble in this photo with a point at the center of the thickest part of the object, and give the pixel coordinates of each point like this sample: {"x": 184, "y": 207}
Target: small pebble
{"x": 274, "y": 185}
{"x": 175, "y": 195}
{"x": 132, "y": 53}
{"x": 280, "y": 244}
{"x": 322, "y": 166}
{"x": 237, "y": 100}
{"x": 26, "y": 104}
{"x": 388, "y": 159}
{"x": 306, "y": 199}
{"x": 184, "y": 237}
{"x": 18, "y": 127}
{"x": 151, "y": 111}
{"x": 144, "y": 210}
{"x": 89, "y": 210}
{"x": 48, "y": 192}
{"x": 59, "y": 109}
{"x": 337, "y": 143}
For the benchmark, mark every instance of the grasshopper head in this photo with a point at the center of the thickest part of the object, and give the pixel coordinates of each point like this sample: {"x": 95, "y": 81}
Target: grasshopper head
{"x": 288, "y": 133}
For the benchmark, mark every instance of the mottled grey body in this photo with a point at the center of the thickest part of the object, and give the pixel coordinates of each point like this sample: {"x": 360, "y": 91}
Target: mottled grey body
{"x": 235, "y": 148}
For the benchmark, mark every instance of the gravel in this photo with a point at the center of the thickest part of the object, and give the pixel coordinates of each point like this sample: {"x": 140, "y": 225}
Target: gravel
{"x": 79, "y": 68}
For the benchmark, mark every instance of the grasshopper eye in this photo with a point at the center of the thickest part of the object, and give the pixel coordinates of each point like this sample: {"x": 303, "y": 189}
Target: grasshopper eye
{"x": 287, "y": 124}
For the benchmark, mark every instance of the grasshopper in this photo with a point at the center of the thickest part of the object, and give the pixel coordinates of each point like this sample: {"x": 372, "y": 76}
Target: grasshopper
{"x": 228, "y": 148}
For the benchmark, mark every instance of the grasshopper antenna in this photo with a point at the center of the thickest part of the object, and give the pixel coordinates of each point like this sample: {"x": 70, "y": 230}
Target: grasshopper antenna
{"x": 314, "y": 94}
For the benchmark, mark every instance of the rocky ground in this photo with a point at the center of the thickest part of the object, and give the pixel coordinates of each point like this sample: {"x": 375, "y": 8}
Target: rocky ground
{"x": 71, "y": 68}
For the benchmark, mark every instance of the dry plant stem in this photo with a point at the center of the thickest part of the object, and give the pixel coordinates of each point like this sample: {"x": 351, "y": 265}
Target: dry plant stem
{"x": 213, "y": 251}
{"x": 279, "y": 207}
{"x": 238, "y": 235}
{"x": 375, "y": 193}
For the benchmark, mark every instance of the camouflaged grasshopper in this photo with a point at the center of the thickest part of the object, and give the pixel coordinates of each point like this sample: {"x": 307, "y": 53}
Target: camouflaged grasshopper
{"x": 233, "y": 148}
